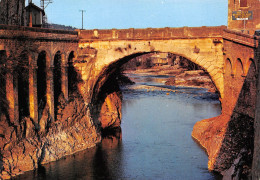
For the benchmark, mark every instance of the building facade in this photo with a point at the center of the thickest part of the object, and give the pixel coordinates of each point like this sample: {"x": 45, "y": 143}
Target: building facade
{"x": 244, "y": 15}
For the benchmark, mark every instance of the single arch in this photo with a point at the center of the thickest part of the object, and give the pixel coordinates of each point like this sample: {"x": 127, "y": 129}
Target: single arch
{"x": 111, "y": 51}
{"x": 105, "y": 80}
{"x": 3, "y": 99}
{"x": 41, "y": 82}
{"x": 106, "y": 72}
{"x": 69, "y": 51}
{"x": 3, "y": 57}
{"x": 57, "y": 81}
{"x": 239, "y": 70}
{"x": 252, "y": 63}
{"x": 250, "y": 66}
{"x": 228, "y": 67}
{"x": 72, "y": 74}
{"x": 104, "y": 84}
{"x": 49, "y": 61}
{"x": 62, "y": 53}
{"x": 125, "y": 58}
{"x": 22, "y": 70}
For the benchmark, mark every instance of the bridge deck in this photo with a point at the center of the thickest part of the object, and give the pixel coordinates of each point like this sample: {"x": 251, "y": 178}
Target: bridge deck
{"x": 38, "y": 34}
{"x": 152, "y": 33}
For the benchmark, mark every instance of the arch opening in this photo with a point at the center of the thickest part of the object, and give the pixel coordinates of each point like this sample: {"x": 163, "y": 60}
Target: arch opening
{"x": 3, "y": 99}
{"x": 72, "y": 75}
{"x": 251, "y": 70}
{"x": 23, "y": 85}
{"x": 239, "y": 68}
{"x": 107, "y": 86}
{"x": 41, "y": 83}
{"x": 228, "y": 67}
{"x": 57, "y": 82}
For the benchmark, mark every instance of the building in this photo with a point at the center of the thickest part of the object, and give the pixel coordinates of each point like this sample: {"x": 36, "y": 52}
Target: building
{"x": 244, "y": 15}
{"x": 34, "y": 15}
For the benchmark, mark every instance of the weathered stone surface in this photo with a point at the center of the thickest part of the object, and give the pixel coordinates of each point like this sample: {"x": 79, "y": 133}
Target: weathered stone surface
{"x": 110, "y": 114}
{"x": 12, "y": 12}
{"x": 210, "y": 134}
{"x": 248, "y": 5}
{"x": 235, "y": 127}
{"x": 120, "y": 48}
{"x": 47, "y": 141}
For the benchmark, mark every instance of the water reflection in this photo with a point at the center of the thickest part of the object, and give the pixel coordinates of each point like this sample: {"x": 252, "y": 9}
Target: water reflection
{"x": 99, "y": 162}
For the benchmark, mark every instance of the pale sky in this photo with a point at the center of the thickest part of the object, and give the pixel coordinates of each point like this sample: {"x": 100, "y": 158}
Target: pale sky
{"x": 121, "y": 14}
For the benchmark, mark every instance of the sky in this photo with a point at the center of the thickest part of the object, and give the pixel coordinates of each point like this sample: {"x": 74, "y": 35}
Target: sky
{"x": 123, "y": 14}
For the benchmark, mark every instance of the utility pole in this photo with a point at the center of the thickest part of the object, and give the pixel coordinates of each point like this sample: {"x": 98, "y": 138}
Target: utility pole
{"x": 45, "y": 3}
{"x": 82, "y": 16}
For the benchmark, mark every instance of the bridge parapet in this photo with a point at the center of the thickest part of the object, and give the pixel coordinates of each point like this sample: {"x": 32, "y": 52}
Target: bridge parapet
{"x": 28, "y": 33}
{"x": 152, "y": 33}
{"x": 241, "y": 38}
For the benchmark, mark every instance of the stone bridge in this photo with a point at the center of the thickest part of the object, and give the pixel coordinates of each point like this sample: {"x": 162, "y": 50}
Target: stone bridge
{"x": 228, "y": 56}
{"x": 52, "y": 81}
{"x": 36, "y": 63}
{"x": 201, "y": 45}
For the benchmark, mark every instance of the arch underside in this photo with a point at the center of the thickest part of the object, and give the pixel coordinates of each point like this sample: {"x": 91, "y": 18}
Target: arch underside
{"x": 210, "y": 58}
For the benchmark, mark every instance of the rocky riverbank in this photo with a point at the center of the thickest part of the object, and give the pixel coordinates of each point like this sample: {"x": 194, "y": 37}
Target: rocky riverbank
{"x": 27, "y": 146}
{"x": 180, "y": 77}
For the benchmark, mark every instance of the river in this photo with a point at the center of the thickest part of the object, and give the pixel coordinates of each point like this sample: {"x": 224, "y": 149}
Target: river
{"x": 155, "y": 143}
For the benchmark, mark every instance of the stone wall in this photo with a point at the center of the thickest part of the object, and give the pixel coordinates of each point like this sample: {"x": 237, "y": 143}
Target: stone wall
{"x": 228, "y": 138}
{"x": 256, "y": 157}
{"x": 12, "y": 12}
{"x": 248, "y": 26}
{"x": 37, "y": 138}
{"x": 62, "y": 122}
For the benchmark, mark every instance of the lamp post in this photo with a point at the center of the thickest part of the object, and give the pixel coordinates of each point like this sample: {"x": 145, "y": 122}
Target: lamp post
{"x": 82, "y": 11}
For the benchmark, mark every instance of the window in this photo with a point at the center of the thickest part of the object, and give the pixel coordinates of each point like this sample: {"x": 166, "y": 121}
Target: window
{"x": 243, "y": 3}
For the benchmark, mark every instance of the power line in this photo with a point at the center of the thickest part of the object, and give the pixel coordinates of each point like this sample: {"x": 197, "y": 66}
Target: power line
{"x": 82, "y": 16}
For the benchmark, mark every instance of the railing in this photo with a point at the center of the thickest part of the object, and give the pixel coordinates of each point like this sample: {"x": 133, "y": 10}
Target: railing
{"x": 152, "y": 33}
{"x": 34, "y": 29}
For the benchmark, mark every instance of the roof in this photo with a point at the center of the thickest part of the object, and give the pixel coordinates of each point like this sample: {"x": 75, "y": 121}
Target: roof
{"x": 33, "y": 6}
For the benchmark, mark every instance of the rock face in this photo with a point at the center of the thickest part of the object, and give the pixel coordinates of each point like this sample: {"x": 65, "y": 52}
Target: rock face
{"x": 107, "y": 100}
{"x": 28, "y": 145}
{"x": 78, "y": 126}
{"x": 210, "y": 134}
{"x": 110, "y": 114}
{"x": 12, "y": 12}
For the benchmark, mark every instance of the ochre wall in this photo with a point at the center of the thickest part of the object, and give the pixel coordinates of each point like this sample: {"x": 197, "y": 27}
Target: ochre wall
{"x": 228, "y": 138}
{"x": 250, "y": 25}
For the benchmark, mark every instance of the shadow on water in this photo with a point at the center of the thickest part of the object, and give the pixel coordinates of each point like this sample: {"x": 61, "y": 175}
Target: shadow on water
{"x": 156, "y": 145}
{"x": 99, "y": 162}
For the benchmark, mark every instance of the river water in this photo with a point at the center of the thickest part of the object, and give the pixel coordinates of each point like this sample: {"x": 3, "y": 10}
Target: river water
{"x": 156, "y": 140}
